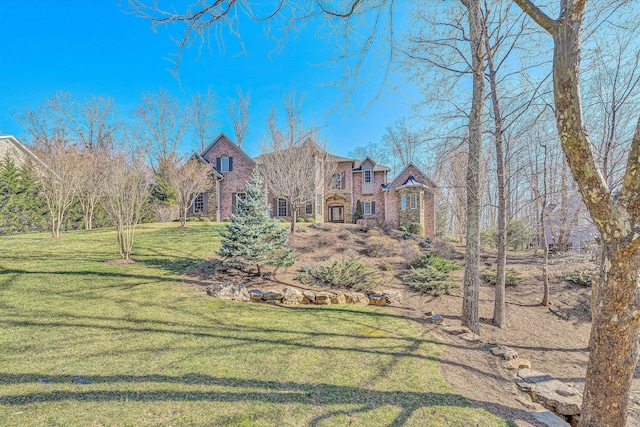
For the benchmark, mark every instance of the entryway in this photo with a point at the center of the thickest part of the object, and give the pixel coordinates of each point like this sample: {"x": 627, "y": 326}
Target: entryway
{"x": 336, "y": 213}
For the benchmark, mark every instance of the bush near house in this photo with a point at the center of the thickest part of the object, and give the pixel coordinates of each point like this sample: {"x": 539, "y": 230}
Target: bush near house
{"x": 415, "y": 228}
{"x": 430, "y": 274}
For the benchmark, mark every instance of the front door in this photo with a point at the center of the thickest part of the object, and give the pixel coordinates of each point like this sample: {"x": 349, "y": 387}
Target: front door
{"x": 336, "y": 213}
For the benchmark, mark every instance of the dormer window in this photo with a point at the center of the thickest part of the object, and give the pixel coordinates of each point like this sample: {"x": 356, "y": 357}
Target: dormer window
{"x": 367, "y": 176}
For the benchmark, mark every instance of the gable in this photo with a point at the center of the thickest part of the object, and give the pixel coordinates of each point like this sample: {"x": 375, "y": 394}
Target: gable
{"x": 418, "y": 175}
{"x": 223, "y": 141}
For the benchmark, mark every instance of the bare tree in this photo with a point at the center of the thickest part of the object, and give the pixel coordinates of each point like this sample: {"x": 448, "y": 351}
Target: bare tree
{"x": 126, "y": 197}
{"x": 90, "y": 186}
{"x": 59, "y": 179}
{"x": 189, "y": 178}
{"x": 239, "y": 112}
{"x": 201, "y": 111}
{"x": 91, "y": 122}
{"x": 616, "y": 298}
{"x": 294, "y": 167}
{"x": 160, "y": 127}
{"x": 404, "y": 143}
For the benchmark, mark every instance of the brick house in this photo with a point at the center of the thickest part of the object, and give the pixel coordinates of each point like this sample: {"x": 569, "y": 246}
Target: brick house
{"x": 407, "y": 198}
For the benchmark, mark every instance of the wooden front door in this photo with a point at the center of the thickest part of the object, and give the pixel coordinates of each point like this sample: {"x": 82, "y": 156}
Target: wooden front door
{"x": 336, "y": 213}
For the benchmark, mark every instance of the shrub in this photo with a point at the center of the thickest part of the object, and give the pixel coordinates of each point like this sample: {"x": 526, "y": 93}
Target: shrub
{"x": 316, "y": 226}
{"x": 407, "y": 236}
{"x": 300, "y": 220}
{"x": 323, "y": 241}
{"x": 205, "y": 219}
{"x": 430, "y": 281}
{"x": 415, "y": 228}
{"x": 310, "y": 219}
{"x": 226, "y": 220}
{"x": 580, "y": 277}
{"x": 433, "y": 260}
{"x": 402, "y": 228}
{"x": 346, "y": 273}
{"x": 377, "y": 247}
{"x": 373, "y": 232}
{"x": 283, "y": 220}
{"x": 344, "y": 235}
{"x": 512, "y": 278}
{"x": 193, "y": 219}
{"x": 386, "y": 266}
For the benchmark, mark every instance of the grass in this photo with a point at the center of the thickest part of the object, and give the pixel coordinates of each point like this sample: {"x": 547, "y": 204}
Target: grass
{"x": 90, "y": 344}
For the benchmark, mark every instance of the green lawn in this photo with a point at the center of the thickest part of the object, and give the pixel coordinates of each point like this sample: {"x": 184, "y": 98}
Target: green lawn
{"x": 88, "y": 344}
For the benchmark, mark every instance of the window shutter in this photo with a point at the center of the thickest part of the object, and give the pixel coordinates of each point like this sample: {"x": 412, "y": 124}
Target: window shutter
{"x": 218, "y": 164}
{"x": 233, "y": 202}
{"x": 373, "y": 208}
{"x": 205, "y": 202}
{"x": 274, "y": 207}
{"x": 230, "y": 164}
{"x": 342, "y": 180}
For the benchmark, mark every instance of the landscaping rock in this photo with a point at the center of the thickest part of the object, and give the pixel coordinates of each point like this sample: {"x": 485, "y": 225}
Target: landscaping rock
{"x": 429, "y": 313}
{"x": 255, "y": 294}
{"x": 552, "y": 393}
{"x": 356, "y": 298}
{"x": 291, "y": 296}
{"x": 550, "y": 419}
{"x": 392, "y": 296}
{"x": 309, "y": 295}
{"x": 369, "y": 292}
{"x": 229, "y": 291}
{"x": 516, "y": 364}
{"x": 436, "y": 319}
{"x": 379, "y": 300}
{"x": 504, "y": 352}
{"x": 456, "y": 330}
{"x": 323, "y": 298}
{"x": 272, "y": 295}
{"x": 470, "y": 336}
{"x": 338, "y": 298}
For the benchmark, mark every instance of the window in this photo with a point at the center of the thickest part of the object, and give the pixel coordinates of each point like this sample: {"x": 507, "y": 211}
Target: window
{"x": 367, "y": 176}
{"x": 308, "y": 208}
{"x": 403, "y": 202}
{"x": 282, "y": 207}
{"x": 366, "y": 208}
{"x": 198, "y": 203}
{"x": 336, "y": 182}
{"x": 224, "y": 164}
{"x": 319, "y": 205}
{"x": 412, "y": 201}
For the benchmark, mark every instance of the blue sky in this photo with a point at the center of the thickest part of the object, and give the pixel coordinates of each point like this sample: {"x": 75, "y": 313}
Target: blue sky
{"x": 94, "y": 48}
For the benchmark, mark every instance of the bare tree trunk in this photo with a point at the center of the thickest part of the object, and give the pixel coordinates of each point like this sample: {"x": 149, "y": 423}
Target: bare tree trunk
{"x": 499, "y": 299}
{"x": 294, "y": 214}
{"x": 470, "y": 316}
{"x": 616, "y": 300}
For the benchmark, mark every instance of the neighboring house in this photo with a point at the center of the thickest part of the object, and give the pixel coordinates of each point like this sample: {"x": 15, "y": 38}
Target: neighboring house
{"x": 571, "y": 228}
{"x": 407, "y": 198}
{"x": 13, "y": 149}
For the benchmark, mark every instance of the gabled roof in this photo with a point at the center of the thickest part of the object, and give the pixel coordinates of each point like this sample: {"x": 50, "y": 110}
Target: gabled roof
{"x": 421, "y": 174}
{"x": 16, "y": 151}
{"x": 221, "y": 137}
{"x": 204, "y": 161}
{"x": 357, "y": 167}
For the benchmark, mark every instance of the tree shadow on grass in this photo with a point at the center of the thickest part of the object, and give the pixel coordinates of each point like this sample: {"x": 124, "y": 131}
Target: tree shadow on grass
{"x": 247, "y": 390}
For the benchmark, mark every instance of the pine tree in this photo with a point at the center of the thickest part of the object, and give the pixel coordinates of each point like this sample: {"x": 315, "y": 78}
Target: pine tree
{"x": 358, "y": 214}
{"x": 21, "y": 207}
{"x": 252, "y": 236}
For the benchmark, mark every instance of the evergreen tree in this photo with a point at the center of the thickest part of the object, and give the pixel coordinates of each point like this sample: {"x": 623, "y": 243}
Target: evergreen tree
{"x": 358, "y": 214}
{"x": 21, "y": 207}
{"x": 251, "y": 235}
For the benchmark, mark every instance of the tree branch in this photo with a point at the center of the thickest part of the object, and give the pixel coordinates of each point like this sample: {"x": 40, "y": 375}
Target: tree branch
{"x": 631, "y": 184}
{"x": 538, "y": 15}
